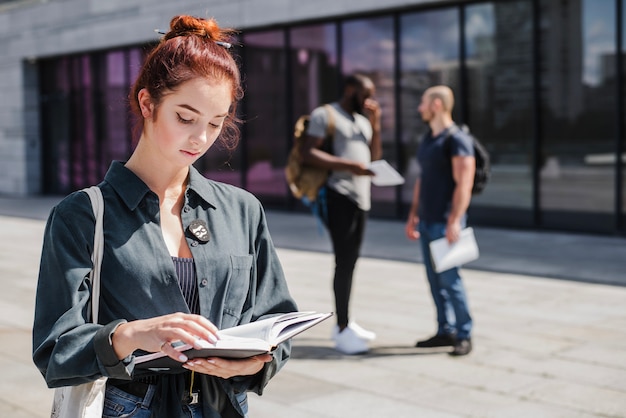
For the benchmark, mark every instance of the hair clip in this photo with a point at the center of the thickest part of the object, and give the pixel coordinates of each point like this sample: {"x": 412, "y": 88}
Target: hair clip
{"x": 223, "y": 44}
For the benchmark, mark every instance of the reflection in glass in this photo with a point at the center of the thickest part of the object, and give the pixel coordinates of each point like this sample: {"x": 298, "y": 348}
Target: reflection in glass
{"x": 578, "y": 101}
{"x": 499, "y": 97}
{"x": 313, "y": 67}
{"x": 114, "y": 90}
{"x": 368, "y": 48}
{"x": 220, "y": 164}
{"x": 429, "y": 55}
{"x": 84, "y": 116}
{"x": 54, "y": 124}
{"x": 623, "y": 116}
{"x": 265, "y": 112}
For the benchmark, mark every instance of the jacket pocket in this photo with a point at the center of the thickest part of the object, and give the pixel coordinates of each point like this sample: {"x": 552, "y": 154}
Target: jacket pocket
{"x": 237, "y": 288}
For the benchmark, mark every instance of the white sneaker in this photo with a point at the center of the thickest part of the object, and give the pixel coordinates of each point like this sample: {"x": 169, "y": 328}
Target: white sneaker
{"x": 358, "y": 330}
{"x": 347, "y": 342}
{"x": 362, "y": 332}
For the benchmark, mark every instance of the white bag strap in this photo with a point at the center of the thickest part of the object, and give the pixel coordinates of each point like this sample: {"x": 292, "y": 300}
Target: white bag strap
{"x": 97, "y": 204}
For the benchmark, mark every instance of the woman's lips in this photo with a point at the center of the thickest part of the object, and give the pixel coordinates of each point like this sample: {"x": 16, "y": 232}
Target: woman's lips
{"x": 191, "y": 153}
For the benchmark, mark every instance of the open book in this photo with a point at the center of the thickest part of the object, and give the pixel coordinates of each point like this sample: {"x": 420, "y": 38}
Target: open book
{"x": 446, "y": 256}
{"x": 243, "y": 341}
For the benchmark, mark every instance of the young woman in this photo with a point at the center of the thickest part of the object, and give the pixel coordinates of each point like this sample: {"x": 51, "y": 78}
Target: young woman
{"x": 184, "y": 256}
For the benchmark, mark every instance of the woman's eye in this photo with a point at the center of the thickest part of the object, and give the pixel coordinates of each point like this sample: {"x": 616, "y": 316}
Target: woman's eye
{"x": 183, "y": 120}
{"x": 215, "y": 125}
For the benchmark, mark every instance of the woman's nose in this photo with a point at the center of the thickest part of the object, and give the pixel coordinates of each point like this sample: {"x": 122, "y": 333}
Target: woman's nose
{"x": 200, "y": 137}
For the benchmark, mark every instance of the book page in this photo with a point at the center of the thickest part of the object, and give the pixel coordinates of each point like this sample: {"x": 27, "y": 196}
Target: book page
{"x": 278, "y": 328}
{"x": 289, "y": 327}
{"x": 259, "y": 329}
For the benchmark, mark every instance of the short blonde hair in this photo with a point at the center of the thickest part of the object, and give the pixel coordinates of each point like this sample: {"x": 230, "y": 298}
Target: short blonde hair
{"x": 443, "y": 93}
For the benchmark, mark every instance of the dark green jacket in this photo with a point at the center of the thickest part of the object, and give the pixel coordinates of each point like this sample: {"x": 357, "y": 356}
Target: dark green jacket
{"x": 240, "y": 279}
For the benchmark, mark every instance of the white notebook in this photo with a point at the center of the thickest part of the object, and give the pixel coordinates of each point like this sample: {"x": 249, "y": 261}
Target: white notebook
{"x": 446, "y": 256}
{"x": 385, "y": 174}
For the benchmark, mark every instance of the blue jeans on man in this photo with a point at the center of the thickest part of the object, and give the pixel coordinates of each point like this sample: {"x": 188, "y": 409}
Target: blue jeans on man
{"x": 449, "y": 296}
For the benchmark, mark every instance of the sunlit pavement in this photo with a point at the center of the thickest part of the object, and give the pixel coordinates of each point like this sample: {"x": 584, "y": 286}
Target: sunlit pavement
{"x": 549, "y": 336}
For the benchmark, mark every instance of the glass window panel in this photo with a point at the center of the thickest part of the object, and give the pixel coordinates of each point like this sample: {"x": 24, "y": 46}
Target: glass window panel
{"x": 79, "y": 139}
{"x": 115, "y": 110}
{"x": 368, "y": 48}
{"x": 89, "y": 109}
{"x": 578, "y": 102}
{"x": 429, "y": 55}
{"x": 85, "y": 116}
{"x": 265, "y": 112}
{"x": 219, "y": 163}
{"x": 499, "y": 64}
{"x": 623, "y": 96}
{"x": 54, "y": 110}
{"x": 314, "y": 67}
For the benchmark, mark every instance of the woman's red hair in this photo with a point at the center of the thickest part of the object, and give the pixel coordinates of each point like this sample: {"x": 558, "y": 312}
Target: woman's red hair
{"x": 194, "y": 47}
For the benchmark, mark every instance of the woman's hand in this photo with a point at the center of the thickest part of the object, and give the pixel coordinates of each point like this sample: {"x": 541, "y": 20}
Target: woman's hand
{"x": 227, "y": 368}
{"x": 157, "y": 334}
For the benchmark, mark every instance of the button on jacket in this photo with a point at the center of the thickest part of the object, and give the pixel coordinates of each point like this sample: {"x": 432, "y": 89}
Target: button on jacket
{"x": 240, "y": 278}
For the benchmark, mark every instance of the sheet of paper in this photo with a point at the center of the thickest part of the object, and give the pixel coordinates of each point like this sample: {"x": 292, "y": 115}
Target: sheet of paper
{"x": 385, "y": 174}
{"x": 446, "y": 256}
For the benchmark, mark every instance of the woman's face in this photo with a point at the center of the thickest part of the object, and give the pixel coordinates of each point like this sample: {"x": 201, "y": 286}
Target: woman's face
{"x": 187, "y": 121}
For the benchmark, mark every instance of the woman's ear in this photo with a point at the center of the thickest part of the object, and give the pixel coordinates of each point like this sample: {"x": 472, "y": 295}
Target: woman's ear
{"x": 145, "y": 103}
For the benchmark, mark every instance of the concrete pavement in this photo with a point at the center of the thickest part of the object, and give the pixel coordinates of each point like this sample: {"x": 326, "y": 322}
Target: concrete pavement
{"x": 549, "y": 311}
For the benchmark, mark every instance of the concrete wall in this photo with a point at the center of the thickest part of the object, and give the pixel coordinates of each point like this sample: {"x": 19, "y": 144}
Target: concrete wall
{"x": 32, "y": 29}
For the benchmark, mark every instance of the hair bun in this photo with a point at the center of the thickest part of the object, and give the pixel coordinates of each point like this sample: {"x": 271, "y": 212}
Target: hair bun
{"x": 188, "y": 25}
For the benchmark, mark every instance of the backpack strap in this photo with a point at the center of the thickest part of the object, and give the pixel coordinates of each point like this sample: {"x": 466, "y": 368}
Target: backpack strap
{"x": 452, "y": 130}
{"x": 330, "y": 128}
{"x": 97, "y": 204}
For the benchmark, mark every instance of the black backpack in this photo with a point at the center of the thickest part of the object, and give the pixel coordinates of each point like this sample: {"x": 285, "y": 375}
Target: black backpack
{"x": 483, "y": 159}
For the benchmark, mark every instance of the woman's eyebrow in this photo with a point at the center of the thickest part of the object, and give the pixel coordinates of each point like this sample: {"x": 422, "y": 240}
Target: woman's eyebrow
{"x": 194, "y": 110}
{"x": 191, "y": 108}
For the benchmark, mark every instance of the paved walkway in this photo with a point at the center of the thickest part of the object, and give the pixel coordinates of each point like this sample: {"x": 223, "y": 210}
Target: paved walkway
{"x": 549, "y": 309}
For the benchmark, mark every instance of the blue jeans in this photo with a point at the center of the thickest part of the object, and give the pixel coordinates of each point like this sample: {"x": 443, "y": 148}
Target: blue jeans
{"x": 447, "y": 289}
{"x": 118, "y": 404}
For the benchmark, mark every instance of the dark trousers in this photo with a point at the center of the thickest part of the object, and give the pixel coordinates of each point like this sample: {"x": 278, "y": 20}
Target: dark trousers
{"x": 346, "y": 225}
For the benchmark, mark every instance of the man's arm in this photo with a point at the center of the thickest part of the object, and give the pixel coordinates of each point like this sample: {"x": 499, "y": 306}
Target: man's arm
{"x": 413, "y": 220}
{"x": 463, "y": 168}
{"x": 372, "y": 112}
{"x": 313, "y": 155}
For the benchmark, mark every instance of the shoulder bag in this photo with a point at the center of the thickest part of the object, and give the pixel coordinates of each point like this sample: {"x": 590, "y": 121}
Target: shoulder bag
{"x": 87, "y": 400}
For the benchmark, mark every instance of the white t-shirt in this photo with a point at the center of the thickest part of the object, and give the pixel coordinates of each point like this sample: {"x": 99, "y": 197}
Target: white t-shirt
{"x": 353, "y": 135}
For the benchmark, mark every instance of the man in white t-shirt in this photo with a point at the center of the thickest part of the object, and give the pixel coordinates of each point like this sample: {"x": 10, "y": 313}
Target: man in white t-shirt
{"x": 346, "y": 195}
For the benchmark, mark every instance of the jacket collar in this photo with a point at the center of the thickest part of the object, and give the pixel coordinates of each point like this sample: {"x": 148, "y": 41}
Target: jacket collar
{"x": 202, "y": 186}
{"x": 132, "y": 189}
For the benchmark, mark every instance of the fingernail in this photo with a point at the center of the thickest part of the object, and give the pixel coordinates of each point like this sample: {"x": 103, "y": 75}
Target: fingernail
{"x": 183, "y": 358}
{"x": 212, "y": 338}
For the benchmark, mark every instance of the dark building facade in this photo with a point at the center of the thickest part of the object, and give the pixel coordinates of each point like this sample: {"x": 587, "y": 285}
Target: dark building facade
{"x": 540, "y": 82}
